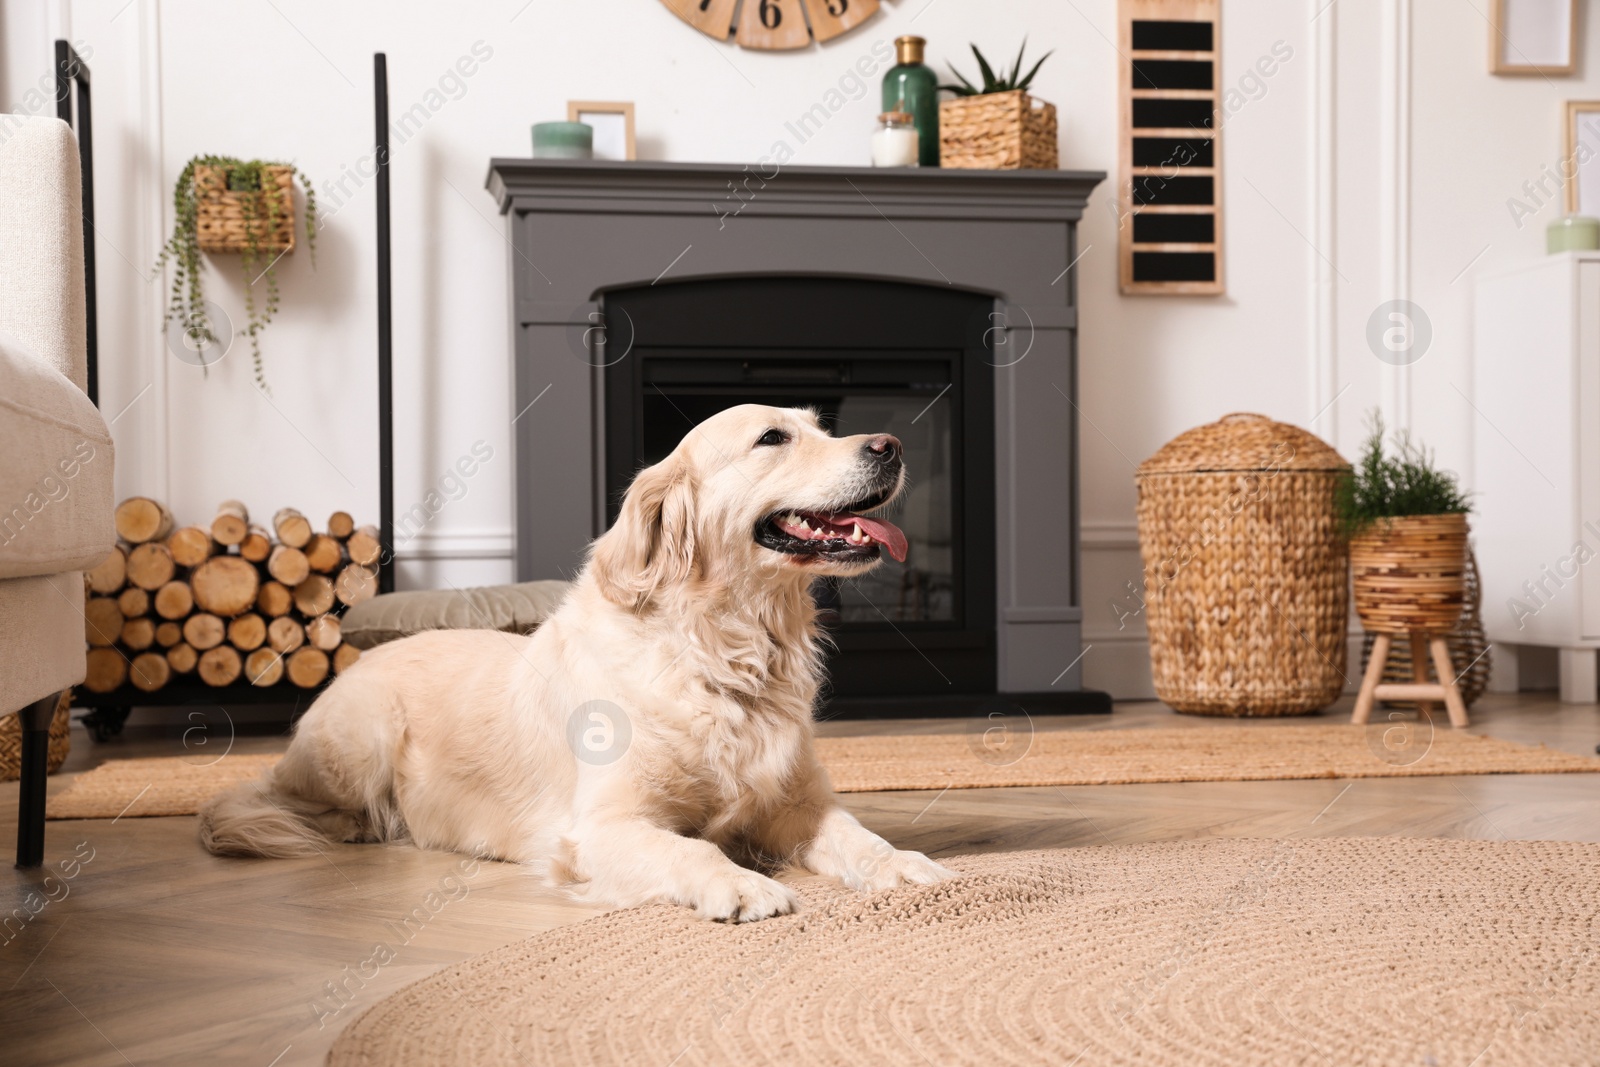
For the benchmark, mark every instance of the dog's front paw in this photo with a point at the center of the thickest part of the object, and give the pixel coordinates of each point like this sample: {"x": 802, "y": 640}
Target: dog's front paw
{"x": 744, "y": 896}
{"x": 892, "y": 867}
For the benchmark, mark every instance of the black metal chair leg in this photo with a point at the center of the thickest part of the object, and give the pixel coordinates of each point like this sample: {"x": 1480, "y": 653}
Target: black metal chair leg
{"x": 35, "y": 768}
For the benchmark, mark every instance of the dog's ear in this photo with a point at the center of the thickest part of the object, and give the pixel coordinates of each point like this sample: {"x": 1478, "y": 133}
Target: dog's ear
{"x": 652, "y": 542}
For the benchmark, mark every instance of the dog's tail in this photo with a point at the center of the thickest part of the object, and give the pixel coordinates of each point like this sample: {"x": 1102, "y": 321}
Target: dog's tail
{"x": 258, "y": 819}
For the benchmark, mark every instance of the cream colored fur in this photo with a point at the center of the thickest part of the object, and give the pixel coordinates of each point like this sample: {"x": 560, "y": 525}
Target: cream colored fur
{"x": 703, "y": 646}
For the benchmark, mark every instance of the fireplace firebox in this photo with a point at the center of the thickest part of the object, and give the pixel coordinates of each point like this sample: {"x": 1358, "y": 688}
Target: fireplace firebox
{"x": 868, "y": 356}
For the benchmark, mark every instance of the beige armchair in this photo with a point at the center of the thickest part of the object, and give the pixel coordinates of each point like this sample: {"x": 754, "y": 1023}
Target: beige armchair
{"x": 55, "y": 449}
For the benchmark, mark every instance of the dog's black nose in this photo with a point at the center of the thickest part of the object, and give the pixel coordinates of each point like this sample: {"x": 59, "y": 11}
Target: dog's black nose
{"x": 885, "y": 448}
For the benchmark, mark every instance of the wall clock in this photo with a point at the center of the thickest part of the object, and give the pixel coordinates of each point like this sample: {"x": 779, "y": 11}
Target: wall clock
{"x": 774, "y": 24}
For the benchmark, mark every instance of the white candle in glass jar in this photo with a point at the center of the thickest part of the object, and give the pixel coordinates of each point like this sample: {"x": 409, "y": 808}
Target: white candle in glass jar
{"x": 895, "y": 144}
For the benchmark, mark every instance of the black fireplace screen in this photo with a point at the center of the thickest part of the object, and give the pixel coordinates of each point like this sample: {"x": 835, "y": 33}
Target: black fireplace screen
{"x": 869, "y": 357}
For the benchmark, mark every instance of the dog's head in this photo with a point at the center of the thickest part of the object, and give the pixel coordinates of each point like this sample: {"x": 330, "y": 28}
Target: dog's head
{"x": 753, "y": 492}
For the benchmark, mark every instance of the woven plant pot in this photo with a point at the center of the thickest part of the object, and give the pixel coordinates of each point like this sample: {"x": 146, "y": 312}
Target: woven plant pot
{"x": 1469, "y": 648}
{"x": 225, "y": 218}
{"x": 1245, "y": 572}
{"x": 60, "y": 740}
{"x": 998, "y": 131}
{"x": 1411, "y": 573}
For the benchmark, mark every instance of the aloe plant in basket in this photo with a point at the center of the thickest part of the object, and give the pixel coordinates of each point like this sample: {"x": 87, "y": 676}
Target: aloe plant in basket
{"x": 998, "y": 126}
{"x": 224, "y": 204}
{"x": 1407, "y": 524}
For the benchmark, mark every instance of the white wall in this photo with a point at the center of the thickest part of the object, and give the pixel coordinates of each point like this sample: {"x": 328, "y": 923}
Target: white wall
{"x": 1375, "y": 163}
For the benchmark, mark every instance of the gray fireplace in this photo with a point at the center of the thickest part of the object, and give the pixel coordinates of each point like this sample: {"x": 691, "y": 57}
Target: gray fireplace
{"x": 939, "y": 305}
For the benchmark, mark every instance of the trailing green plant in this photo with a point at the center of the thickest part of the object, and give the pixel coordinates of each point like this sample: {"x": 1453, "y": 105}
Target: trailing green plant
{"x": 1005, "y": 83}
{"x": 186, "y": 303}
{"x": 1385, "y": 486}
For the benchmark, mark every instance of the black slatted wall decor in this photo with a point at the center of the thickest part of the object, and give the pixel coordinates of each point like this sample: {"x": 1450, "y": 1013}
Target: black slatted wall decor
{"x": 1170, "y": 195}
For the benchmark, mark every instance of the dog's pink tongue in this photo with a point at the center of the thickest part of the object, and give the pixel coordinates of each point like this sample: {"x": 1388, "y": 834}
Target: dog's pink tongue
{"x": 885, "y": 533}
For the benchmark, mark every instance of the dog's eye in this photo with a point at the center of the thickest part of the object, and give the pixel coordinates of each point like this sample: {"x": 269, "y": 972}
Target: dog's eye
{"x": 773, "y": 437}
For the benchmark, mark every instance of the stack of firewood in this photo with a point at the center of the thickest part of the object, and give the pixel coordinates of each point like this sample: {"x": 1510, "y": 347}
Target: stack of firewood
{"x": 228, "y": 602}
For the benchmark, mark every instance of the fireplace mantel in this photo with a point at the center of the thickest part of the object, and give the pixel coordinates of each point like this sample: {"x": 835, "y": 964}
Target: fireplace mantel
{"x": 577, "y": 229}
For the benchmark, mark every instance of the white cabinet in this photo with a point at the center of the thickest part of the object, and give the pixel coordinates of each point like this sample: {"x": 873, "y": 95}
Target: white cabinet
{"x": 1536, "y": 460}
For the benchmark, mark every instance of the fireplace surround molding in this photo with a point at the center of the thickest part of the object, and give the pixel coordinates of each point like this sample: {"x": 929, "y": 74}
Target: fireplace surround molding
{"x": 577, "y": 229}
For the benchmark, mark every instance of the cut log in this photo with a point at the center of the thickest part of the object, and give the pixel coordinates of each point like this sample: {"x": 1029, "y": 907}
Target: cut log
{"x": 150, "y": 566}
{"x": 232, "y": 523}
{"x": 341, "y": 525}
{"x": 256, "y": 546}
{"x": 139, "y": 634}
{"x": 263, "y": 667}
{"x": 323, "y": 632}
{"x": 293, "y": 528}
{"x": 274, "y": 600}
{"x": 133, "y": 602}
{"x": 344, "y": 657}
{"x": 182, "y": 658}
{"x": 174, "y": 600}
{"x": 285, "y": 634}
{"x": 169, "y": 634}
{"x": 355, "y": 584}
{"x": 225, "y": 585}
{"x": 190, "y": 546}
{"x": 288, "y": 565}
{"x": 220, "y": 666}
{"x": 149, "y": 671}
{"x": 364, "y": 546}
{"x": 314, "y": 596}
{"x": 307, "y": 667}
{"x": 111, "y": 573}
{"x": 204, "y": 631}
{"x": 102, "y": 620}
{"x": 324, "y": 554}
{"x": 247, "y": 632}
{"x": 107, "y": 670}
{"x": 139, "y": 519}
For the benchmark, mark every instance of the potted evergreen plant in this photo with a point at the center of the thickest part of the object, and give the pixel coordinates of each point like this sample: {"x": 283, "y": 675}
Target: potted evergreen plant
{"x": 998, "y": 126}
{"x": 1407, "y": 525}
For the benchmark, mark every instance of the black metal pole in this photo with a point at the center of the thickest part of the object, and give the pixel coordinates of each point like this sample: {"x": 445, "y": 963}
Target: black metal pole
{"x": 70, "y": 68}
{"x": 380, "y": 77}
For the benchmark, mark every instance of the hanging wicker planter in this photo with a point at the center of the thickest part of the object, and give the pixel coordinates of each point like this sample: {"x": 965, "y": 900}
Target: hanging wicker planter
{"x": 998, "y": 131}
{"x": 1469, "y": 647}
{"x": 227, "y": 217}
{"x": 1246, "y": 578}
{"x": 60, "y": 740}
{"x": 1411, "y": 573}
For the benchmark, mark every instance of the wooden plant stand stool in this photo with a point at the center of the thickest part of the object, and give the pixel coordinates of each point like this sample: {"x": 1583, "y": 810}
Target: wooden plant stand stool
{"x": 1420, "y": 689}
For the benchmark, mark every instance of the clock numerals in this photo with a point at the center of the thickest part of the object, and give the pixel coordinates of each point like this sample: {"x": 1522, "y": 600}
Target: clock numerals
{"x": 830, "y": 18}
{"x": 714, "y": 18}
{"x": 704, "y": 4}
{"x": 771, "y": 14}
{"x": 773, "y": 24}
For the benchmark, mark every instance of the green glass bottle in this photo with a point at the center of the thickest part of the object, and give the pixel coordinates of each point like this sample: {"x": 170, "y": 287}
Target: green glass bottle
{"x": 910, "y": 86}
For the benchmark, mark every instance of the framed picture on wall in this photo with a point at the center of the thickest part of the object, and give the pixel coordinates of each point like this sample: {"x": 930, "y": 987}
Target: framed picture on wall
{"x": 612, "y": 124}
{"x": 1583, "y": 156}
{"x": 1533, "y": 37}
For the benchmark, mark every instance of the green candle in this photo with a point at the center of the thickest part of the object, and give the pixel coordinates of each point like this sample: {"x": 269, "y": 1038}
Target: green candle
{"x": 1573, "y": 233}
{"x": 563, "y": 140}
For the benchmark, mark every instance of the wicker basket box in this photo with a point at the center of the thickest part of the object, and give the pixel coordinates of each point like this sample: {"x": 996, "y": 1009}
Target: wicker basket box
{"x": 1246, "y": 574}
{"x": 11, "y": 741}
{"x": 998, "y": 131}
{"x": 225, "y": 217}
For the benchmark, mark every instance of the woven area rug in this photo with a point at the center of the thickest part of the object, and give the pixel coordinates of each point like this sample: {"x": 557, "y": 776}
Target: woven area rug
{"x": 1225, "y": 952}
{"x": 974, "y": 760}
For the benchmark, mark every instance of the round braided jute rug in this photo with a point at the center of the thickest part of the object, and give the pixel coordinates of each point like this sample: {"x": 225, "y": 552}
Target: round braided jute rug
{"x": 1225, "y": 952}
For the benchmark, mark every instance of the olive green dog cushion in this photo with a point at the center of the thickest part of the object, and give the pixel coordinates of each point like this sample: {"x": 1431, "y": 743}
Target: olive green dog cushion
{"x": 512, "y": 608}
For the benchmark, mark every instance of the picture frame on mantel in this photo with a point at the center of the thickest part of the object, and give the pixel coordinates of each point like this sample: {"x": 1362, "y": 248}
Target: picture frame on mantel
{"x": 1583, "y": 131}
{"x": 1537, "y": 37}
{"x": 612, "y": 123}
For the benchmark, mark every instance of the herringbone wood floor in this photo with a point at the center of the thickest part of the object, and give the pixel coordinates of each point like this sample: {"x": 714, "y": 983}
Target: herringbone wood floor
{"x": 156, "y": 953}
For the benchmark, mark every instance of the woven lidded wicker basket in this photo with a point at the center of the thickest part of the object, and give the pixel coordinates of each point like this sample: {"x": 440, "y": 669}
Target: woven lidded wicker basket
{"x": 1245, "y": 572}
{"x": 998, "y": 131}
{"x": 225, "y": 217}
{"x": 11, "y": 740}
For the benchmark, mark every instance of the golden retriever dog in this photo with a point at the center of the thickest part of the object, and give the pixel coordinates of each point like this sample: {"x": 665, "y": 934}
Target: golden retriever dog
{"x": 658, "y": 723}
